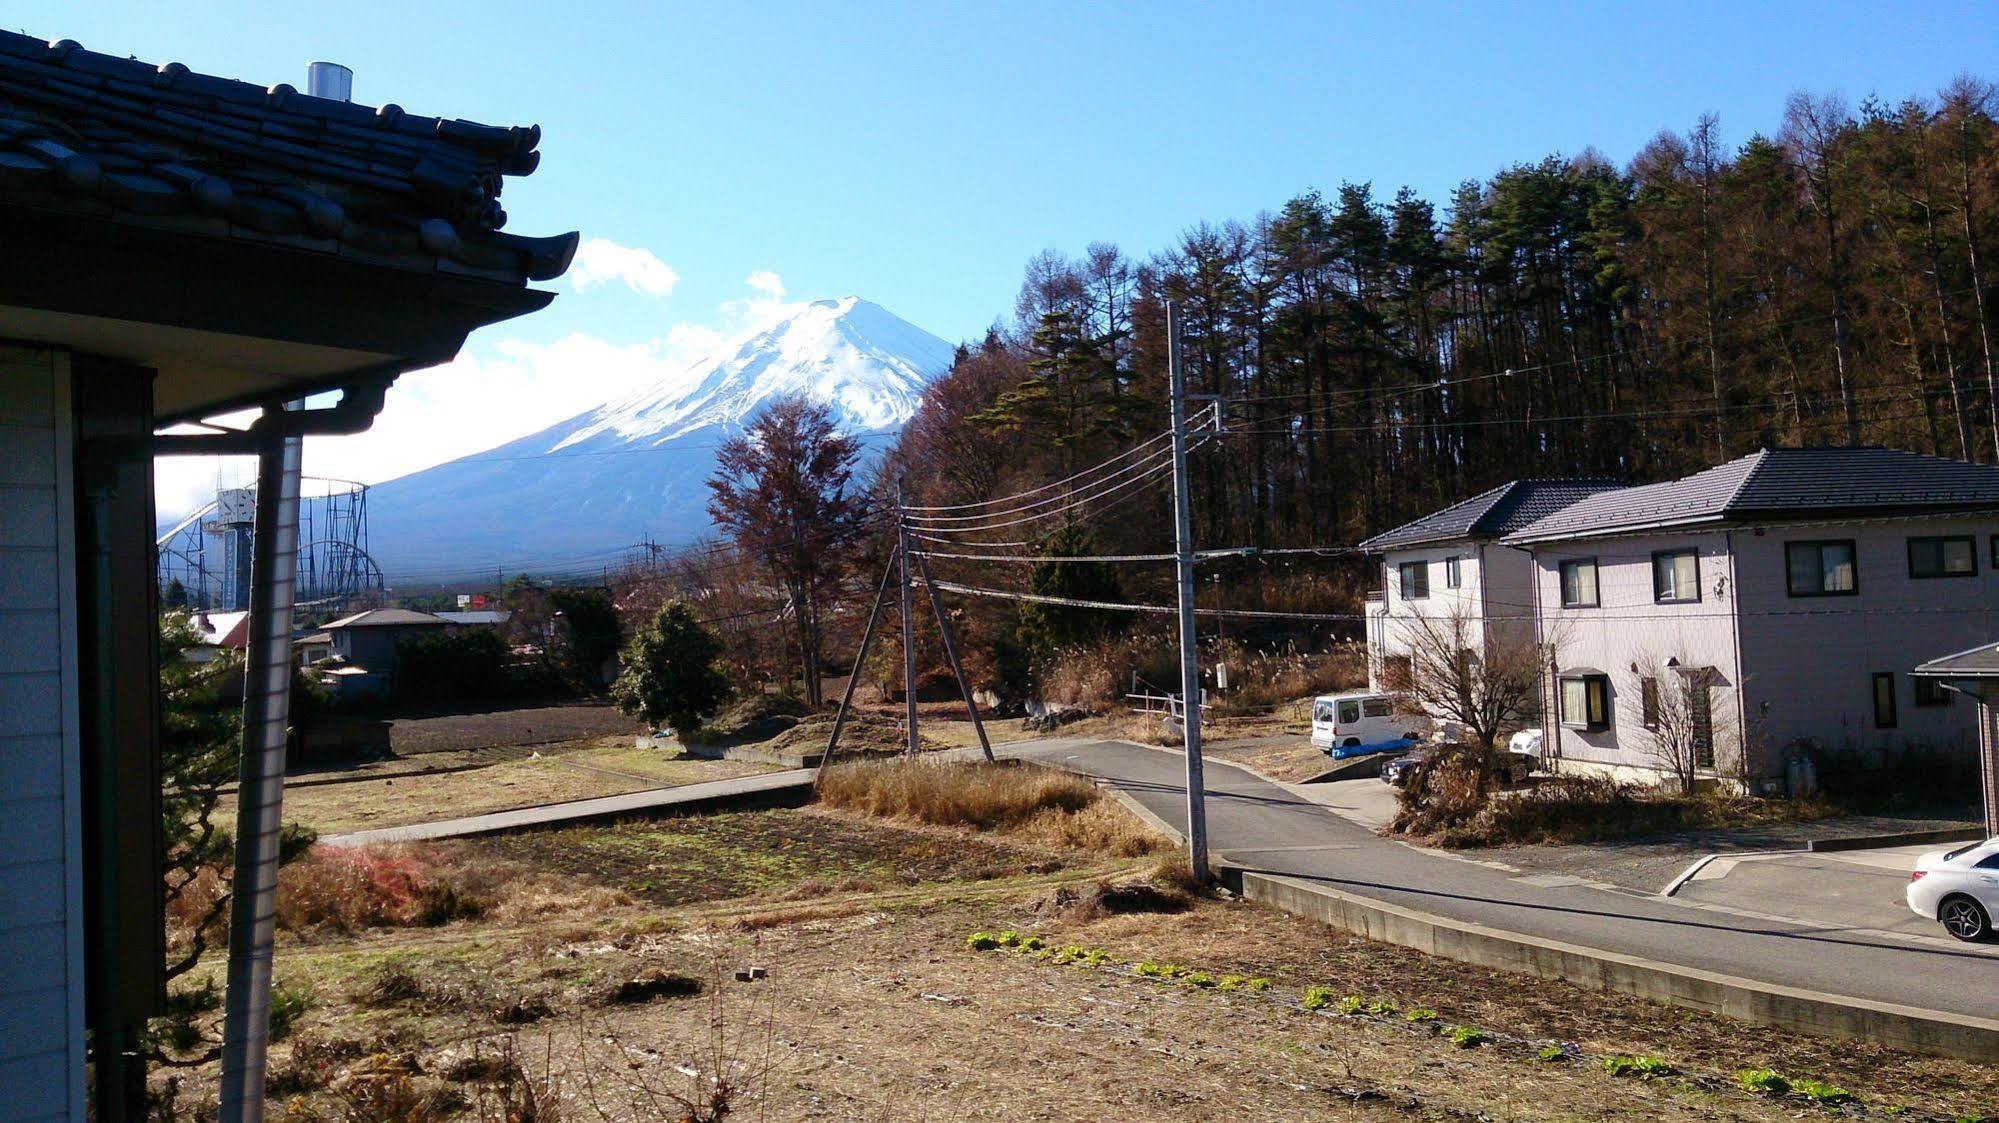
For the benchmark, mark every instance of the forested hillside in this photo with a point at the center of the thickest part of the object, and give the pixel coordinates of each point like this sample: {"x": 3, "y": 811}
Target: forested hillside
{"x": 1382, "y": 355}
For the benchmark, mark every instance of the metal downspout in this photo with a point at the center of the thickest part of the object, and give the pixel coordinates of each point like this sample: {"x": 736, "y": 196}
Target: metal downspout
{"x": 267, "y": 675}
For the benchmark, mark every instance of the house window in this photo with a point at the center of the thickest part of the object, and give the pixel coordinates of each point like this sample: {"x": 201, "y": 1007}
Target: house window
{"x": 1930, "y": 692}
{"x": 1648, "y": 701}
{"x": 1943, "y": 557}
{"x": 1579, "y": 583}
{"x": 1676, "y": 576}
{"x": 1586, "y": 702}
{"x": 1995, "y": 551}
{"x": 1452, "y": 578}
{"x": 1395, "y": 672}
{"x": 1821, "y": 569}
{"x": 1415, "y": 580}
{"x": 1884, "y": 700}
{"x": 1700, "y": 715}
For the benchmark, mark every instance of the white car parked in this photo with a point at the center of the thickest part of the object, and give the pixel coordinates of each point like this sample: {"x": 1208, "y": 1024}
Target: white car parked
{"x": 1958, "y": 888}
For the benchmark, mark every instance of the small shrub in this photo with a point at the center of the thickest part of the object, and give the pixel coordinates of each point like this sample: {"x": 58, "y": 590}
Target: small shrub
{"x": 389, "y": 982}
{"x": 1419, "y": 1014}
{"x": 1767, "y": 1081}
{"x": 1008, "y": 938}
{"x": 180, "y": 1026}
{"x": 311, "y": 1064}
{"x": 1259, "y": 984}
{"x": 1097, "y": 957}
{"x": 1317, "y": 998}
{"x": 1644, "y": 1068}
{"x": 374, "y": 887}
{"x": 1031, "y": 943}
{"x": 1352, "y": 1004}
{"x": 982, "y": 941}
{"x": 1465, "y": 1037}
{"x": 288, "y": 1004}
{"x": 1820, "y": 1092}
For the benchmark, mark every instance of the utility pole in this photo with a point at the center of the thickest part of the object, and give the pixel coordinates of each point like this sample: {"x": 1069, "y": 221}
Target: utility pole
{"x": 1190, "y": 659}
{"x": 908, "y": 626}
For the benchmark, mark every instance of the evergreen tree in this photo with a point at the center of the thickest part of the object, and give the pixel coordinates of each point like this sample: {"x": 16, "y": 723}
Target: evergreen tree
{"x": 672, "y": 675}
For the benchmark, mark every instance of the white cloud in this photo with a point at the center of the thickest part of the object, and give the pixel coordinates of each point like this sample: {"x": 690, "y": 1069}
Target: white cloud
{"x": 482, "y": 400}
{"x": 600, "y": 261}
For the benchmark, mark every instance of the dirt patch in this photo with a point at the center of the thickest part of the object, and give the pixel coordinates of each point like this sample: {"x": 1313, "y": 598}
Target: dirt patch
{"x": 528, "y": 725}
{"x": 714, "y": 857}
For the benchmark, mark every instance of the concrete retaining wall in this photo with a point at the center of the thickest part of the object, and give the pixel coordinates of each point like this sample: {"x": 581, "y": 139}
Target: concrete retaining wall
{"x": 1902, "y": 1027}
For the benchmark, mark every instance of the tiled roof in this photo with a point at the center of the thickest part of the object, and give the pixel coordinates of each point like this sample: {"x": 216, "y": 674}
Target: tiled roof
{"x": 1780, "y": 483}
{"x": 385, "y": 618}
{"x": 163, "y": 146}
{"x": 1502, "y": 510}
{"x": 1979, "y": 662}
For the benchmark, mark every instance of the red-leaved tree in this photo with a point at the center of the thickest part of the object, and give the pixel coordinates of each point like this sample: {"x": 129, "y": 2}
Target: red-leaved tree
{"x": 782, "y": 493}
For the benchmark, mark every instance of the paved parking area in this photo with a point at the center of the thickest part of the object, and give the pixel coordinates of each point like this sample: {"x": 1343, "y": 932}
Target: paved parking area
{"x": 1856, "y": 890}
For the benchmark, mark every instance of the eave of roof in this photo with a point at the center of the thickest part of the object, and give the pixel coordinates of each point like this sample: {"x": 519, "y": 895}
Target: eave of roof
{"x": 1486, "y": 516}
{"x": 96, "y": 135}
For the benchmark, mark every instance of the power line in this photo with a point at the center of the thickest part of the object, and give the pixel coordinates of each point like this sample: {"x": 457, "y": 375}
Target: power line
{"x": 1044, "y": 487}
{"x": 1151, "y": 463}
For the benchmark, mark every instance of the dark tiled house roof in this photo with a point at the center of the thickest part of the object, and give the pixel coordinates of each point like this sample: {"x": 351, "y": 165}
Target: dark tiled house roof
{"x": 1495, "y": 513}
{"x": 1780, "y": 483}
{"x": 164, "y": 146}
{"x": 1979, "y": 662}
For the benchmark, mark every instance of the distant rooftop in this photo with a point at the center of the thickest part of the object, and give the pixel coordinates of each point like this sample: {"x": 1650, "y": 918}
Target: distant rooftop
{"x": 1979, "y": 662}
{"x": 1776, "y": 484}
{"x": 386, "y": 618}
{"x": 1489, "y": 515}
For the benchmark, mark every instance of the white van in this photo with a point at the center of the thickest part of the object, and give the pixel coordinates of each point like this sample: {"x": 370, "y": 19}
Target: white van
{"x": 1351, "y": 724}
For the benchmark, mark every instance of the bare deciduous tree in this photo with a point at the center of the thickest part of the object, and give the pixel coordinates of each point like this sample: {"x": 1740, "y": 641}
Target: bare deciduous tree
{"x": 1678, "y": 714}
{"x": 1483, "y": 678}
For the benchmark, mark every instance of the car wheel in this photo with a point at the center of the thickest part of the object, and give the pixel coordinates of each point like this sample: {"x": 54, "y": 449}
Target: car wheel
{"x": 1964, "y": 918}
{"x": 1350, "y": 743}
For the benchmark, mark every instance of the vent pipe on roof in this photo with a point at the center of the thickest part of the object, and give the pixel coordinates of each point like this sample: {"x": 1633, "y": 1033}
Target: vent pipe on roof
{"x": 329, "y": 80}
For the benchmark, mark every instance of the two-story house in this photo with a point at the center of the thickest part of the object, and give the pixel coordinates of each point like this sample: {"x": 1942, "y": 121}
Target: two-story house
{"x": 1451, "y": 563}
{"x": 1780, "y": 599}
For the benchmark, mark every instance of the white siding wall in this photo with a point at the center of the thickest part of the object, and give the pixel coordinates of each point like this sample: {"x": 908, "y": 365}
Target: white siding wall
{"x": 41, "y": 939}
{"x": 1629, "y": 628}
{"x": 1495, "y": 586}
{"x": 1811, "y": 658}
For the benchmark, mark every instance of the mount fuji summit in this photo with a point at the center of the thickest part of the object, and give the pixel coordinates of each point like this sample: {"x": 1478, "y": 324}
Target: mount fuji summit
{"x": 568, "y": 498}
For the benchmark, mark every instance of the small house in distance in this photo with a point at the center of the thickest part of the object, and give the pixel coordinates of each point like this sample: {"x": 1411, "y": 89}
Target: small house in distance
{"x": 1451, "y": 563}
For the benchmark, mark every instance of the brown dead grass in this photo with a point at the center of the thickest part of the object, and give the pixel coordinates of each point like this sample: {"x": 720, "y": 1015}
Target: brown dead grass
{"x": 1037, "y": 805}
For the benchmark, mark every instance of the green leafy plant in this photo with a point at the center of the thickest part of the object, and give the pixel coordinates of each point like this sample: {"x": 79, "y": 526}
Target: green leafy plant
{"x": 1317, "y": 998}
{"x": 1465, "y": 1037}
{"x": 1767, "y": 1081}
{"x": 1230, "y": 982}
{"x": 982, "y": 941}
{"x": 1381, "y": 1007}
{"x": 288, "y": 1004}
{"x": 1552, "y": 1053}
{"x": 1644, "y": 1068}
{"x": 1151, "y": 970}
{"x": 1198, "y": 979}
{"x": 1420, "y": 1014}
{"x": 672, "y": 673}
{"x": 1352, "y": 1004}
{"x": 1259, "y": 984}
{"x": 1820, "y": 1092}
{"x": 1097, "y": 957}
{"x": 1008, "y": 938}
{"x": 1031, "y": 943}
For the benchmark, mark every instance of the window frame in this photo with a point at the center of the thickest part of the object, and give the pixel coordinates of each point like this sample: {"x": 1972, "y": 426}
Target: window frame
{"x": 1679, "y": 552}
{"x": 1891, "y": 719}
{"x": 1596, "y": 697}
{"x": 1562, "y": 570}
{"x": 1402, "y": 572}
{"x": 1648, "y": 702}
{"x": 1819, "y": 545}
{"x": 1971, "y": 551}
{"x": 1454, "y": 577}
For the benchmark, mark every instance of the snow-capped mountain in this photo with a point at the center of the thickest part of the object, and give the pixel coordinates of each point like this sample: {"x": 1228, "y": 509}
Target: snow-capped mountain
{"x": 572, "y": 495}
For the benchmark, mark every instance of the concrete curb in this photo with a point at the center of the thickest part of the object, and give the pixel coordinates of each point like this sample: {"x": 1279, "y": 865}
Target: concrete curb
{"x": 1905, "y": 838}
{"x": 1904, "y": 1027}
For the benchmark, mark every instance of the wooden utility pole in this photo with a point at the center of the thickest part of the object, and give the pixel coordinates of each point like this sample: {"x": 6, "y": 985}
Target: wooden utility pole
{"x": 951, "y": 653}
{"x": 1190, "y": 659}
{"x": 860, "y": 661}
{"x": 908, "y": 624}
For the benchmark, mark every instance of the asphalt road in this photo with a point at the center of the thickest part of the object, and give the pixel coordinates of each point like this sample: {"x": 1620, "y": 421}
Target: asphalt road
{"x": 1260, "y": 826}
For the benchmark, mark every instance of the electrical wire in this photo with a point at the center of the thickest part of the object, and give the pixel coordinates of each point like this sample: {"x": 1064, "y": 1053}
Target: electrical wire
{"x": 1159, "y": 459}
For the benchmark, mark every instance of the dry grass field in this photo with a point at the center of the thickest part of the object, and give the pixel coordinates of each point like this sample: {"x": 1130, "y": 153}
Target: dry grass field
{"x": 940, "y": 946}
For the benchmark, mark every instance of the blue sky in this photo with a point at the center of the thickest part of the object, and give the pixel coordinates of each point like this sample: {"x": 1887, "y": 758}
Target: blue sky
{"x": 918, "y": 154}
